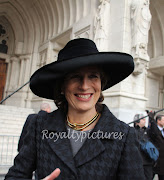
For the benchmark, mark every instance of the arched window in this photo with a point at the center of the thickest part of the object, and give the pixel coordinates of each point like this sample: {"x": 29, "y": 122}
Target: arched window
{"x": 3, "y": 40}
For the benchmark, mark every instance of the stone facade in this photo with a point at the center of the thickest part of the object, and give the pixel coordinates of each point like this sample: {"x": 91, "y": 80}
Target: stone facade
{"x": 35, "y": 31}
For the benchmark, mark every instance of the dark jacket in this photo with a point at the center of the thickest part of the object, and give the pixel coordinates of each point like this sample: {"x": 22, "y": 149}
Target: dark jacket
{"x": 143, "y": 136}
{"x": 31, "y": 117}
{"x": 158, "y": 141}
{"x": 114, "y": 157}
{"x": 25, "y": 130}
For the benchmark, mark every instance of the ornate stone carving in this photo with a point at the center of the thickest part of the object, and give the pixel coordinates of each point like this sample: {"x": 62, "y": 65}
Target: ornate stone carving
{"x": 140, "y": 25}
{"x": 83, "y": 33}
{"x": 140, "y": 66}
{"x": 43, "y": 57}
{"x": 101, "y": 25}
{"x": 3, "y": 39}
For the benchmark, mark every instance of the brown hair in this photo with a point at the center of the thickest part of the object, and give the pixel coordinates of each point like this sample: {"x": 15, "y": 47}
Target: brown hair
{"x": 61, "y": 102}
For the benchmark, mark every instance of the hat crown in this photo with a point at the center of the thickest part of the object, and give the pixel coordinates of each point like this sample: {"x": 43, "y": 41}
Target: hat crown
{"x": 76, "y": 54}
{"x": 76, "y": 48}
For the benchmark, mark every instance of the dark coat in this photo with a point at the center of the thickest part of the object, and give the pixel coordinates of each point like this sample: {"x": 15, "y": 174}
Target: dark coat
{"x": 158, "y": 141}
{"x": 31, "y": 117}
{"x": 143, "y": 136}
{"x": 115, "y": 157}
{"x": 25, "y": 130}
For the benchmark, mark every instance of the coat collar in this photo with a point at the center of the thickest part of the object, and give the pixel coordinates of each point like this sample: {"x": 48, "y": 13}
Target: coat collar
{"x": 55, "y": 123}
{"x": 103, "y": 130}
{"x": 92, "y": 147}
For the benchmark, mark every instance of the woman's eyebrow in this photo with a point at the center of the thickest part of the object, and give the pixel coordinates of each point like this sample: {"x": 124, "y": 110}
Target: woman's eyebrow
{"x": 95, "y": 72}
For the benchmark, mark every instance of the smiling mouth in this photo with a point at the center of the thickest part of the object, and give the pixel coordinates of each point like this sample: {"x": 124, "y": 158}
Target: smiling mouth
{"x": 87, "y": 96}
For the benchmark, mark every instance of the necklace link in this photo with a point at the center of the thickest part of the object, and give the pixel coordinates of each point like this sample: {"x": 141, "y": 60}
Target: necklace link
{"x": 82, "y": 126}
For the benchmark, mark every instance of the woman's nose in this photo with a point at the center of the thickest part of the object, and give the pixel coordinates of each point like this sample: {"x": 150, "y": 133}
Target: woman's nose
{"x": 84, "y": 83}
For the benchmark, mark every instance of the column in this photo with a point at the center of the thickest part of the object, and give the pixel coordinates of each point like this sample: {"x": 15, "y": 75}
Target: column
{"x": 21, "y": 75}
{"x": 14, "y": 73}
{"x": 27, "y": 69}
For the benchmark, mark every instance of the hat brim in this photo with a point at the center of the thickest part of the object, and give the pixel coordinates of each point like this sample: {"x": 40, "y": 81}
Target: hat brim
{"x": 117, "y": 66}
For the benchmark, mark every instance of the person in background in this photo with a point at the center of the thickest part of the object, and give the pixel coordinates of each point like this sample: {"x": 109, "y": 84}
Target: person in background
{"x": 107, "y": 148}
{"x": 156, "y": 133}
{"x": 142, "y": 135}
{"x": 45, "y": 107}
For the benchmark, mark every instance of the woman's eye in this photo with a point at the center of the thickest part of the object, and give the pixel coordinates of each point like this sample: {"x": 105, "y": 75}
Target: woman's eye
{"x": 76, "y": 76}
{"x": 93, "y": 76}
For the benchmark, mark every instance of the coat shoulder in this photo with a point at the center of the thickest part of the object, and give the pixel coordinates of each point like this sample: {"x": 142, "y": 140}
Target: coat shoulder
{"x": 113, "y": 121}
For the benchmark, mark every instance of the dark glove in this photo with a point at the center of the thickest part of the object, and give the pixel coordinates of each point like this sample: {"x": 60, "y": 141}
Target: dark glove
{"x": 151, "y": 115}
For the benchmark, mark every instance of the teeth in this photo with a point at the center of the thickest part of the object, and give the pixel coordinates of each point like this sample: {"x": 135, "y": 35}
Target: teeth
{"x": 84, "y": 96}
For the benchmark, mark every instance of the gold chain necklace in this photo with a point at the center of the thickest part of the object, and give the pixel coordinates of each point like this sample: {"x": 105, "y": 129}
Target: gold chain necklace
{"x": 75, "y": 126}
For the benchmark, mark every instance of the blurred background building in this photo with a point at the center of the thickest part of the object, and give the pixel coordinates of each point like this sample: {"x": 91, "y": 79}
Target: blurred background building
{"x": 33, "y": 31}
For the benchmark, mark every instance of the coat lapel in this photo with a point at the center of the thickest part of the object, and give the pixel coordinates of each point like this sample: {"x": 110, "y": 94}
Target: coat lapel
{"x": 60, "y": 144}
{"x": 91, "y": 148}
{"x": 94, "y": 146}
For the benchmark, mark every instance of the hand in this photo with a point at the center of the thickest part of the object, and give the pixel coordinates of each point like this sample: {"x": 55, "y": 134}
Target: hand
{"x": 53, "y": 175}
{"x": 151, "y": 116}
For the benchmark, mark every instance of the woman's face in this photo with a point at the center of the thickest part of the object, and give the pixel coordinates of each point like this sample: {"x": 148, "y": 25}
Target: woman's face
{"x": 82, "y": 89}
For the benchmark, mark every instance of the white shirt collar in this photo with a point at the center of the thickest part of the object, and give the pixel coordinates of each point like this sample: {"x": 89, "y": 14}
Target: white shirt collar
{"x": 160, "y": 128}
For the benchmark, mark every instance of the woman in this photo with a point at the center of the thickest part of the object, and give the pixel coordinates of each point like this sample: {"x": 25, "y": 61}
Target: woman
{"x": 82, "y": 139}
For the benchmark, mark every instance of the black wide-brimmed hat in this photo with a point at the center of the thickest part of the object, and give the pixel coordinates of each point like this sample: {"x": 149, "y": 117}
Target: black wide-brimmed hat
{"x": 76, "y": 54}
